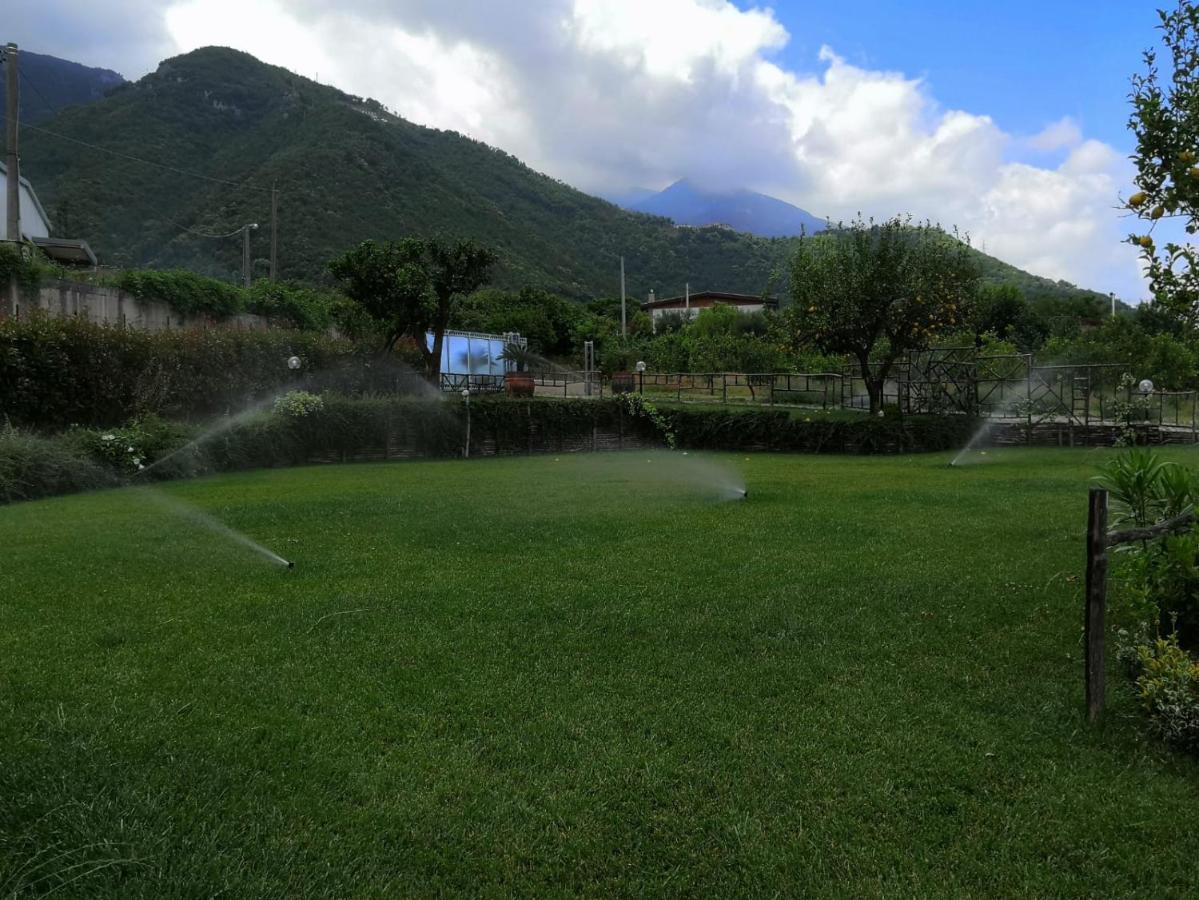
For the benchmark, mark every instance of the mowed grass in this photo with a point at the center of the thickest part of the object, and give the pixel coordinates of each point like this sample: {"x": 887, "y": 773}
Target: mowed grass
{"x": 575, "y": 675}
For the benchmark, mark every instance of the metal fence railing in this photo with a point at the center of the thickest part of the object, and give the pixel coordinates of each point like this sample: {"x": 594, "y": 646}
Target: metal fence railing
{"x": 958, "y": 381}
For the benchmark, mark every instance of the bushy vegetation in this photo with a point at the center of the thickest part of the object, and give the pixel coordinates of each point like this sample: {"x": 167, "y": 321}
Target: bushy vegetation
{"x": 55, "y": 373}
{"x": 1157, "y": 613}
{"x": 32, "y": 466}
{"x": 190, "y": 294}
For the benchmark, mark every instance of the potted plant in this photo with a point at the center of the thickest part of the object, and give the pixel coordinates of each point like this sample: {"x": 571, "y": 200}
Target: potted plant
{"x": 518, "y": 383}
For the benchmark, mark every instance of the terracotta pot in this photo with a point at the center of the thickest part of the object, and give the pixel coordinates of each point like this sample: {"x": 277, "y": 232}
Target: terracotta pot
{"x": 519, "y": 384}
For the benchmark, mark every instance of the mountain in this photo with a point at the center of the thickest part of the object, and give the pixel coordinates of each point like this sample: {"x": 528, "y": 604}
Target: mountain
{"x": 159, "y": 171}
{"x": 50, "y": 85}
{"x": 347, "y": 170}
{"x": 740, "y": 210}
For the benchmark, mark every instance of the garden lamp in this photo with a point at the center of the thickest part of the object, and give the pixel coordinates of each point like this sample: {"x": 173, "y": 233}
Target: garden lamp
{"x": 293, "y": 363}
{"x": 1146, "y": 386}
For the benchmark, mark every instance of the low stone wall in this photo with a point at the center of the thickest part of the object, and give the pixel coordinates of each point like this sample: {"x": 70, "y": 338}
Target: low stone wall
{"x": 103, "y": 305}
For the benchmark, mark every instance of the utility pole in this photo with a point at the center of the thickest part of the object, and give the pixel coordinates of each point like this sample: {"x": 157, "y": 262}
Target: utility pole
{"x": 624, "y": 320}
{"x": 274, "y": 232}
{"x": 12, "y": 112}
{"x": 1113, "y": 304}
{"x": 246, "y": 274}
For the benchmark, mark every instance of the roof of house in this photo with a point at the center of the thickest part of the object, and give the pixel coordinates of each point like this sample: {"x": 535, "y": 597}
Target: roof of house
{"x": 720, "y": 296}
{"x": 66, "y": 250}
{"x": 32, "y": 193}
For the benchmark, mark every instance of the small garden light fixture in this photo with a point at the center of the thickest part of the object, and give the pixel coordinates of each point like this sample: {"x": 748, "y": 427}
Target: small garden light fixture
{"x": 1146, "y": 386}
{"x": 293, "y": 363}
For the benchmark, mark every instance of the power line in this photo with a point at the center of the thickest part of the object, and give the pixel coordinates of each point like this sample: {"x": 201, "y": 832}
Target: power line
{"x": 50, "y": 106}
{"x": 205, "y": 234}
{"x": 148, "y": 162}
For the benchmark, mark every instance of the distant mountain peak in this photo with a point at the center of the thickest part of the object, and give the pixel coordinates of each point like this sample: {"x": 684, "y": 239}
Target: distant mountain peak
{"x": 58, "y": 84}
{"x": 739, "y": 208}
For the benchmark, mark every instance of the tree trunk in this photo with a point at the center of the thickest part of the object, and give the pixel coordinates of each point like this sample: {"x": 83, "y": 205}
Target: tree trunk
{"x": 874, "y": 384}
{"x": 433, "y": 361}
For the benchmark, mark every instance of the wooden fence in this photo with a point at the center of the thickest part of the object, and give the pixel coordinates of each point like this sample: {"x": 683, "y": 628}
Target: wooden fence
{"x": 1099, "y": 539}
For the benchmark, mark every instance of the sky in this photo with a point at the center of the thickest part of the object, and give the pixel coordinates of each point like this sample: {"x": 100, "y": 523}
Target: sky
{"x": 1006, "y": 120}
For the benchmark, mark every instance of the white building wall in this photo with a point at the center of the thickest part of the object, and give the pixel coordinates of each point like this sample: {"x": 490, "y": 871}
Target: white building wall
{"x": 33, "y": 220}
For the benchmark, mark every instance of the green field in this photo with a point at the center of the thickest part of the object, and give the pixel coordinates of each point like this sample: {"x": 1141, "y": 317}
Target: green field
{"x": 574, "y": 675}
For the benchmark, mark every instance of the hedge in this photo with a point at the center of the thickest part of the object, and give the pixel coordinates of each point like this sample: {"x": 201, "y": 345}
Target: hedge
{"x": 55, "y": 373}
{"x": 779, "y": 430}
{"x": 377, "y": 427}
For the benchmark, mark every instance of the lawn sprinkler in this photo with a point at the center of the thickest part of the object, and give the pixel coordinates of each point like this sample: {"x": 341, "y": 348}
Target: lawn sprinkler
{"x": 290, "y": 564}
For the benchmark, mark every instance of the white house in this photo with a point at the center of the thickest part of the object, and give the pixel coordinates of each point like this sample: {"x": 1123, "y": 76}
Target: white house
{"x": 689, "y": 305}
{"x": 34, "y": 221}
{"x": 35, "y": 227}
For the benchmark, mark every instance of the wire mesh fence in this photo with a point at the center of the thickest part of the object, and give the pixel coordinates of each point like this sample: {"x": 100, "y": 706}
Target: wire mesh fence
{"x": 952, "y": 381}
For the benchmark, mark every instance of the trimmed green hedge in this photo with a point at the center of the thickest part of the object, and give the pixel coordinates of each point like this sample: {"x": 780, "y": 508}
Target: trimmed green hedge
{"x": 708, "y": 429}
{"x": 55, "y": 373}
{"x": 348, "y": 428}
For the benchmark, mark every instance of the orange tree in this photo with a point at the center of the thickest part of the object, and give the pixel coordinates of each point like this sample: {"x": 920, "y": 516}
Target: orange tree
{"x": 1165, "y": 120}
{"x": 874, "y": 292}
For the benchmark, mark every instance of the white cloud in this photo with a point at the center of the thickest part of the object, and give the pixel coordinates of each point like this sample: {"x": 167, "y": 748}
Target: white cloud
{"x": 1057, "y": 135}
{"x": 609, "y": 94}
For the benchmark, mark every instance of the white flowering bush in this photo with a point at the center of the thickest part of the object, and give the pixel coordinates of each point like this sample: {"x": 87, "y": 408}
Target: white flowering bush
{"x": 298, "y": 404}
{"x": 130, "y": 448}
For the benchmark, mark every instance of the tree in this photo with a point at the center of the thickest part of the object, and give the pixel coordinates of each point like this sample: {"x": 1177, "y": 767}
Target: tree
{"x": 877, "y": 291}
{"x": 1165, "y": 121}
{"x": 454, "y": 270}
{"x": 998, "y": 309}
{"x": 389, "y": 282}
{"x": 409, "y": 287}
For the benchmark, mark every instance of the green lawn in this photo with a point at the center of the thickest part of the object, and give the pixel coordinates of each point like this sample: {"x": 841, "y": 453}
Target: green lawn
{"x": 575, "y": 675}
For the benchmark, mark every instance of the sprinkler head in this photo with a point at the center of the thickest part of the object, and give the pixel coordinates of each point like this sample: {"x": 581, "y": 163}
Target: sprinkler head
{"x": 290, "y": 564}
{"x": 745, "y": 495}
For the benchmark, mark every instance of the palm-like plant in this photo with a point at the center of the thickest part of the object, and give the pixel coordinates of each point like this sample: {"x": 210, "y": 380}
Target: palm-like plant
{"x": 1146, "y": 489}
{"x": 520, "y": 357}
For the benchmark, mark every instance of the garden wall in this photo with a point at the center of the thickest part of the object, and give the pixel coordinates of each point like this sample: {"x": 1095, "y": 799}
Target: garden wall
{"x": 106, "y": 305}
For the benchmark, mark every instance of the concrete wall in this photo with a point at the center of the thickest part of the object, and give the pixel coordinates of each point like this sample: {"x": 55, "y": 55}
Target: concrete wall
{"x": 112, "y": 306}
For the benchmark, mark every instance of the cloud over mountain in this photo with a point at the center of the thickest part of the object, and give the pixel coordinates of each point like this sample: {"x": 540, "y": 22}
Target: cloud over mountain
{"x": 613, "y": 94}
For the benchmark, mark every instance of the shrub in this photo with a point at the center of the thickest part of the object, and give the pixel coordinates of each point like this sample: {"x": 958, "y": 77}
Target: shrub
{"x": 33, "y": 467}
{"x": 298, "y": 404}
{"x": 55, "y": 373}
{"x": 706, "y": 429}
{"x": 130, "y": 448}
{"x": 21, "y": 264}
{"x": 1168, "y": 687}
{"x": 185, "y": 292}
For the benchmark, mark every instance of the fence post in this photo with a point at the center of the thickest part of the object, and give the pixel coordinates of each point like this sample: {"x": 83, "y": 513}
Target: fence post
{"x": 1028, "y": 401}
{"x": 724, "y": 388}
{"x": 1096, "y": 602}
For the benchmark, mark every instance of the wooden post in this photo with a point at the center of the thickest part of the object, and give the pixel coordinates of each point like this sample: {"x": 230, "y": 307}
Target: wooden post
{"x": 12, "y": 228}
{"x": 1096, "y": 602}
